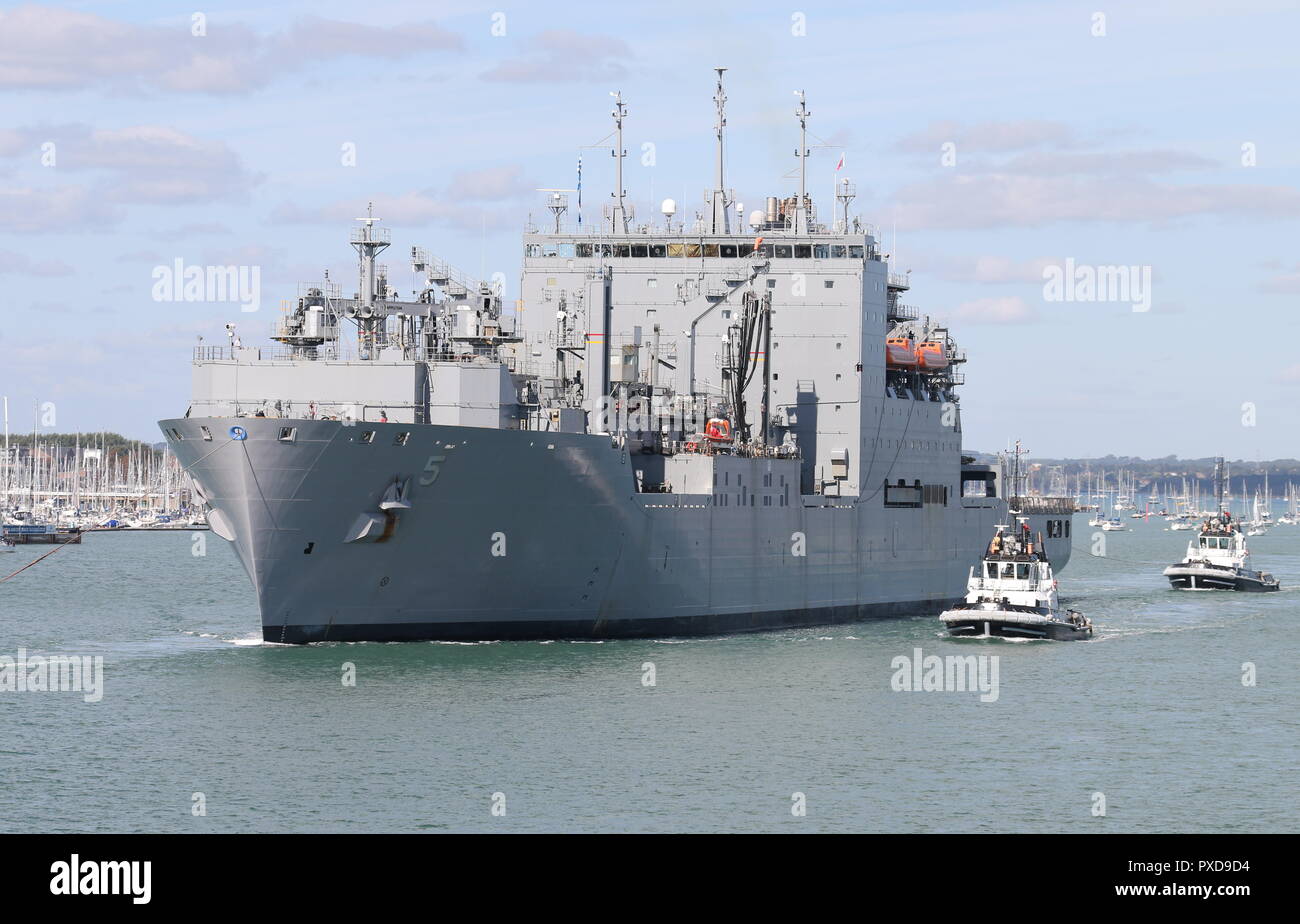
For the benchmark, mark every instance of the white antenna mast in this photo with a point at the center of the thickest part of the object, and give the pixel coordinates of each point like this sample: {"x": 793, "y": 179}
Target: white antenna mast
{"x": 721, "y": 222}
{"x": 801, "y": 207}
{"x": 618, "y": 220}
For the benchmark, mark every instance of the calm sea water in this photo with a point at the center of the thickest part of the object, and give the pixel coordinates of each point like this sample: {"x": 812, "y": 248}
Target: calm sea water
{"x": 1152, "y": 714}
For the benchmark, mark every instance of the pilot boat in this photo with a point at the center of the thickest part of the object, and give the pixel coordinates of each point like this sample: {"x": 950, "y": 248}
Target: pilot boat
{"x": 1012, "y": 594}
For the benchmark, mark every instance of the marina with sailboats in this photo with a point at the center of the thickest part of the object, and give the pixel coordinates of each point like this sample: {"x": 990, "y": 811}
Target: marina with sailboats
{"x": 55, "y": 487}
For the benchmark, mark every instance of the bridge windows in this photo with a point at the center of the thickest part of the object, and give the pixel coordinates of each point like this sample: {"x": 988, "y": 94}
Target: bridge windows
{"x": 692, "y": 249}
{"x": 977, "y": 483}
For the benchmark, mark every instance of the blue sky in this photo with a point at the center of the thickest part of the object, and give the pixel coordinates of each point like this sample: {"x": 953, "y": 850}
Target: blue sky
{"x": 1117, "y": 149}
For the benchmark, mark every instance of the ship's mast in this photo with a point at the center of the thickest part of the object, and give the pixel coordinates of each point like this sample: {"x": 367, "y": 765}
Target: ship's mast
{"x": 721, "y": 221}
{"x": 1218, "y": 483}
{"x": 1013, "y": 500}
{"x": 801, "y": 207}
{"x": 846, "y": 193}
{"x": 618, "y": 220}
{"x": 369, "y": 242}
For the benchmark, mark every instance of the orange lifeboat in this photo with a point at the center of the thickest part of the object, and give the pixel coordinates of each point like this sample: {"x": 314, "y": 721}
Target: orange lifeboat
{"x": 718, "y": 430}
{"x": 900, "y": 353}
{"x": 931, "y": 356}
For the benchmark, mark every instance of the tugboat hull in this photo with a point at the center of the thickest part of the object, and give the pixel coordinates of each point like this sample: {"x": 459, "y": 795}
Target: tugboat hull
{"x": 1182, "y": 577}
{"x": 1003, "y": 624}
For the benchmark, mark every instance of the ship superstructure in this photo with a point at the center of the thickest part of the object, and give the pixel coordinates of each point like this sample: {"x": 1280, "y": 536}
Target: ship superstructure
{"x": 724, "y": 422}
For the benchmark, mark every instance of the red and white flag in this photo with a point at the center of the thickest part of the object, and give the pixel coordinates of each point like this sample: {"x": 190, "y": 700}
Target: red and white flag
{"x": 840, "y": 164}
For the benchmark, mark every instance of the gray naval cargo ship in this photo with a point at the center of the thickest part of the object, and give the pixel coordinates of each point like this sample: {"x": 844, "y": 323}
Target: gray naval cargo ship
{"x": 727, "y": 423}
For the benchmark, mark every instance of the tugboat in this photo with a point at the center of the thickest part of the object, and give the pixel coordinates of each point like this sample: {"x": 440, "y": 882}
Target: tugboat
{"x": 1013, "y": 594}
{"x": 1217, "y": 559}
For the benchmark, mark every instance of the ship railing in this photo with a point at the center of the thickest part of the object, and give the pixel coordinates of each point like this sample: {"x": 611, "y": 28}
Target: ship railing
{"x": 511, "y": 363}
{"x": 445, "y": 276}
{"x": 903, "y": 313}
{"x": 264, "y": 354}
{"x": 1043, "y": 505}
{"x": 705, "y": 447}
{"x": 371, "y": 235}
{"x": 357, "y": 411}
{"x": 900, "y": 281}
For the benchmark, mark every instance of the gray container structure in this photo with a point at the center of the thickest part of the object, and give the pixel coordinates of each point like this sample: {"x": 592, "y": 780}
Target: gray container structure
{"x": 681, "y": 428}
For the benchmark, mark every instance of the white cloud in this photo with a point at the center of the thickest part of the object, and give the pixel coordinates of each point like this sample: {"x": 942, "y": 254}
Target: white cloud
{"x": 561, "y": 55}
{"x": 473, "y": 200}
{"x": 492, "y": 183}
{"x": 1003, "y": 310}
{"x": 1060, "y": 163}
{"x": 25, "y": 209}
{"x": 139, "y": 164}
{"x": 989, "y": 268}
{"x": 1283, "y": 283}
{"x": 1005, "y": 200}
{"x": 15, "y": 263}
{"x": 1039, "y": 187}
{"x": 50, "y": 48}
{"x": 988, "y": 136}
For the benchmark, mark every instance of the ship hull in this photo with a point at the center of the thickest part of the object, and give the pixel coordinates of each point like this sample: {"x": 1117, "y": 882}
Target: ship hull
{"x": 524, "y": 535}
{"x": 995, "y": 624}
